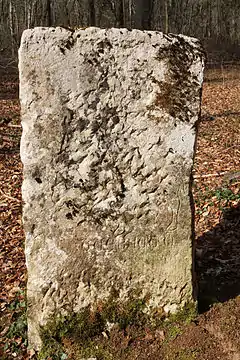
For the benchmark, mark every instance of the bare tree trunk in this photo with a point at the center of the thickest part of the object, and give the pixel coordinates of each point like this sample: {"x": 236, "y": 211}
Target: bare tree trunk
{"x": 122, "y": 13}
{"x": 129, "y": 13}
{"x": 11, "y": 26}
{"x": 143, "y": 14}
{"x": 48, "y": 14}
{"x": 92, "y": 14}
{"x": 166, "y": 16}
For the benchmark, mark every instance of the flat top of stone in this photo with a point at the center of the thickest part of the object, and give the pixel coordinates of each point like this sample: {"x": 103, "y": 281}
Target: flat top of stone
{"x": 96, "y": 51}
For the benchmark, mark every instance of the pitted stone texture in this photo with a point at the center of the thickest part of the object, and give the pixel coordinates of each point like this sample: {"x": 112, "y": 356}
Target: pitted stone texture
{"x": 108, "y": 142}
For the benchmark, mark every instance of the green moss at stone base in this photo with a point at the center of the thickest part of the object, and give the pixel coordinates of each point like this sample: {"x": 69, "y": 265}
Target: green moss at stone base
{"x": 83, "y": 333}
{"x": 90, "y": 323}
{"x": 186, "y": 315}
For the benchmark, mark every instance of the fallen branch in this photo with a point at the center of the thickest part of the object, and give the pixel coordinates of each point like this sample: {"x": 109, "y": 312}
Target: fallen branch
{"x": 9, "y": 197}
{"x": 7, "y": 151}
{"x": 230, "y": 147}
{"x": 14, "y": 126}
{"x": 210, "y": 175}
{"x": 229, "y": 175}
{"x": 10, "y": 63}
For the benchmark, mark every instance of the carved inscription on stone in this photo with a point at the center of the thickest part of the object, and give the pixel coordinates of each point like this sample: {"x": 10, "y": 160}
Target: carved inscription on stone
{"x": 108, "y": 139}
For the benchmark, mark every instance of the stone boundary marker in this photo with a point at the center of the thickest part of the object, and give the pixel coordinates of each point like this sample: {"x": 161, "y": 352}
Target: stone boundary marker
{"x": 109, "y": 125}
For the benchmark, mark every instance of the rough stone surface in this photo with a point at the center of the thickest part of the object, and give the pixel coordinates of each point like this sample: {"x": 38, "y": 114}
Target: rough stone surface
{"x": 108, "y": 139}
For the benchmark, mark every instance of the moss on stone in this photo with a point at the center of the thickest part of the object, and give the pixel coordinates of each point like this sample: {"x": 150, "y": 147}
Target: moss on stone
{"x": 186, "y": 315}
{"x": 81, "y": 333}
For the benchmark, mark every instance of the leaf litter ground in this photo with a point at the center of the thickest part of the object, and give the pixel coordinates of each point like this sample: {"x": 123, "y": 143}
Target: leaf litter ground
{"x": 214, "y": 333}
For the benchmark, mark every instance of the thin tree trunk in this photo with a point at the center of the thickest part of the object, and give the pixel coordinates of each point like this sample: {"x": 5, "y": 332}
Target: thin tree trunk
{"x": 122, "y": 14}
{"x": 11, "y": 26}
{"x": 166, "y": 16}
{"x": 48, "y": 13}
{"x": 92, "y": 14}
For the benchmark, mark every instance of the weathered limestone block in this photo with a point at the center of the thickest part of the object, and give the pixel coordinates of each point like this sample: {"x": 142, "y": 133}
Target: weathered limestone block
{"x": 108, "y": 139}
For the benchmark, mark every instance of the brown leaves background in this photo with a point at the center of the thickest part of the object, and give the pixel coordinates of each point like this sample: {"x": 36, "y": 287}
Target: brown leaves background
{"x": 216, "y": 190}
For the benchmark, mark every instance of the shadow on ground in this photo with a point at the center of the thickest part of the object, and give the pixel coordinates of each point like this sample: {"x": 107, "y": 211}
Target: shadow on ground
{"x": 218, "y": 261}
{"x": 211, "y": 117}
{"x": 9, "y": 87}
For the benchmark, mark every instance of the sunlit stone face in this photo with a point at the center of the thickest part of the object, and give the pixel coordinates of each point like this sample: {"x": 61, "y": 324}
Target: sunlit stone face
{"x": 108, "y": 143}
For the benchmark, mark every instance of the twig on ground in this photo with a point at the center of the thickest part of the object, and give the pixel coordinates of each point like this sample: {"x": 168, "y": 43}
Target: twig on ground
{"x": 210, "y": 175}
{"x": 9, "y": 197}
{"x": 10, "y": 62}
{"x": 14, "y": 126}
{"x": 228, "y": 175}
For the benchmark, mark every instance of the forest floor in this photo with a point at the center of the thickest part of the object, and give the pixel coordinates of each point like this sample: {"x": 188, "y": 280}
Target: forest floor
{"x": 214, "y": 333}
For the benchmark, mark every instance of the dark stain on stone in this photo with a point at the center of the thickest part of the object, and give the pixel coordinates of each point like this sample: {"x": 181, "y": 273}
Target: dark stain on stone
{"x": 176, "y": 93}
{"x": 121, "y": 193}
{"x": 74, "y": 209}
{"x": 67, "y": 44}
{"x": 90, "y": 62}
{"x": 104, "y": 85}
{"x": 104, "y": 45}
{"x": 95, "y": 126}
{"x": 70, "y": 43}
{"x": 38, "y": 180}
{"x": 67, "y": 132}
{"x": 82, "y": 124}
{"x": 37, "y": 175}
{"x": 62, "y": 50}
{"x": 115, "y": 119}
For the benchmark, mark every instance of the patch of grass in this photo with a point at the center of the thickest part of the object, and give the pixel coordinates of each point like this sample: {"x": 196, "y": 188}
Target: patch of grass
{"x": 183, "y": 354}
{"x": 17, "y": 332}
{"x": 19, "y": 327}
{"x": 100, "y": 351}
{"x": 221, "y": 196}
{"x": 173, "y": 332}
{"x": 225, "y": 194}
{"x": 52, "y": 350}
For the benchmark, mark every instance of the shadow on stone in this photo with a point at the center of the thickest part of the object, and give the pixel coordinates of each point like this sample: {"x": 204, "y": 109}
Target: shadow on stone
{"x": 218, "y": 261}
